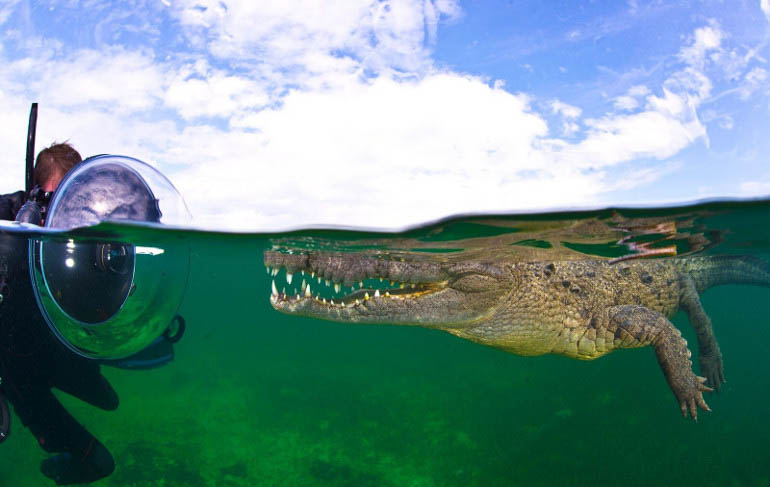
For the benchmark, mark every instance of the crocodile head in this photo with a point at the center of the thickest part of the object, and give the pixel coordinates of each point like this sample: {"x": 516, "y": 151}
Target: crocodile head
{"x": 404, "y": 289}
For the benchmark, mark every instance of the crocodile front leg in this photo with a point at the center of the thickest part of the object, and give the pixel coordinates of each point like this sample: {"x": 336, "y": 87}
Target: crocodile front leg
{"x": 709, "y": 355}
{"x": 636, "y": 326}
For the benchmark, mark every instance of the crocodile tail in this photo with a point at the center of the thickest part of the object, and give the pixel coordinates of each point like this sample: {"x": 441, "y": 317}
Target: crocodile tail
{"x": 725, "y": 269}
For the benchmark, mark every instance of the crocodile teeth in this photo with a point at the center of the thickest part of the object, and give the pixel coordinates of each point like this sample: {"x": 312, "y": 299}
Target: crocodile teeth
{"x": 275, "y": 291}
{"x": 289, "y": 276}
{"x": 269, "y": 270}
{"x": 366, "y": 296}
{"x": 377, "y": 293}
{"x": 336, "y": 287}
{"x": 274, "y": 272}
{"x": 307, "y": 292}
{"x": 304, "y": 284}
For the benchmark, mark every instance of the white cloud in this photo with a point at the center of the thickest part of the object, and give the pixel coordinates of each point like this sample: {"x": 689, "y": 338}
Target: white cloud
{"x": 569, "y": 129}
{"x": 705, "y": 53}
{"x": 569, "y": 113}
{"x": 213, "y": 93}
{"x": 755, "y": 188}
{"x": 666, "y": 125}
{"x": 765, "y": 6}
{"x": 726, "y": 122}
{"x": 565, "y": 110}
{"x": 302, "y": 137}
{"x": 705, "y": 40}
{"x": 642, "y": 175}
{"x": 380, "y": 34}
{"x": 385, "y": 153}
{"x": 392, "y": 153}
{"x": 754, "y": 80}
{"x": 656, "y": 133}
{"x": 626, "y": 102}
{"x": 123, "y": 80}
{"x": 638, "y": 90}
{"x": 630, "y": 100}
{"x": 6, "y": 9}
{"x": 397, "y": 153}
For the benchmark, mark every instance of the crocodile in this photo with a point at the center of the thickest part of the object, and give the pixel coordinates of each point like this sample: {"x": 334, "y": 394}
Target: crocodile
{"x": 582, "y": 309}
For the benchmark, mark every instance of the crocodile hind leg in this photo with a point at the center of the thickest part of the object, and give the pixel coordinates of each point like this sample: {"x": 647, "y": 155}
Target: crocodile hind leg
{"x": 709, "y": 355}
{"x": 633, "y": 326}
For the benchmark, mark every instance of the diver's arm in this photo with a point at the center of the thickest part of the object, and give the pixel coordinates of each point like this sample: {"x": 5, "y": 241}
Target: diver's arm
{"x": 10, "y": 204}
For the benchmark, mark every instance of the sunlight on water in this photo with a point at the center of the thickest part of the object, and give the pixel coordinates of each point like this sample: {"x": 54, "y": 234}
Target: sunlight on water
{"x": 256, "y": 397}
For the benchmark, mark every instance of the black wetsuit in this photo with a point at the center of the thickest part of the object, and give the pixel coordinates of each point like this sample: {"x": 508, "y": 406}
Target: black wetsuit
{"x": 32, "y": 361}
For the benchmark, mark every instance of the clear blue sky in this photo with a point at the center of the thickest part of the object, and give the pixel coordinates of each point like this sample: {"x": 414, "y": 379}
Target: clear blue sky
{"x": 278, "y": 114}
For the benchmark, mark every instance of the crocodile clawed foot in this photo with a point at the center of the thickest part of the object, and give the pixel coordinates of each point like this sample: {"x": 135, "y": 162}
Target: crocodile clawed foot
{"x": 691, "y": 397}
{"x": 711, "y": 368}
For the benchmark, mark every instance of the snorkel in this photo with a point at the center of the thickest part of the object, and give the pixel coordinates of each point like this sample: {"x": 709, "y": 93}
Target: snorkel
{"x": 34, "y": 209}
{"x": 31, "y": 130}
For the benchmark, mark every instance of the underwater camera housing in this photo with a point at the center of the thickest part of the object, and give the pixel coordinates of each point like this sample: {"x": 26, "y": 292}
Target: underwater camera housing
{"x": 103, "y": 298}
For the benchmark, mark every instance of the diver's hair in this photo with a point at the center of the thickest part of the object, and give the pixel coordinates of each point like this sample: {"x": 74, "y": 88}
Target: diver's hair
{"x": 54, "y": 162}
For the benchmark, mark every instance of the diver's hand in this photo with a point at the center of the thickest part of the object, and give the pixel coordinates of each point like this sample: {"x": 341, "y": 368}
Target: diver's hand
{"x": 65, "y": 469}
{"x": 10, "y": 204}
{"x": 83, "y": 379}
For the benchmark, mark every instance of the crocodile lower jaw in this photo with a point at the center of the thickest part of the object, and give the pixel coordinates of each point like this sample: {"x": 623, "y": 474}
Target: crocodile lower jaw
{"x": 361, "y": 297}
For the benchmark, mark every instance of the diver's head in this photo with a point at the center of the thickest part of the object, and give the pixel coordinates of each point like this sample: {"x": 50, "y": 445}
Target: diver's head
{"x": 52, "y": 164}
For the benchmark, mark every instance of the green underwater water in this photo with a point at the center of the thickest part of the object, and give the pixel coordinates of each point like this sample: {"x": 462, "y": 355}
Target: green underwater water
{"x": 255, "y": 397}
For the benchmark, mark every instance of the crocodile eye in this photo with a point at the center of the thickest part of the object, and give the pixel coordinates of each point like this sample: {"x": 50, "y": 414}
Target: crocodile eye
{"x": 473, "y": 283}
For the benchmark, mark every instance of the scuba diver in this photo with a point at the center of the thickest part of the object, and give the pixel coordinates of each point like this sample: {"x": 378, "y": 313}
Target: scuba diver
{"x": 32, "y": 360}
{"x": 69, "y": 306}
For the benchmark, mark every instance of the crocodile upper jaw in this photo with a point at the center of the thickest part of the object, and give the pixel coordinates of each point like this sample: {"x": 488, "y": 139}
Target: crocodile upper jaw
{"x": 378, "y": 289}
